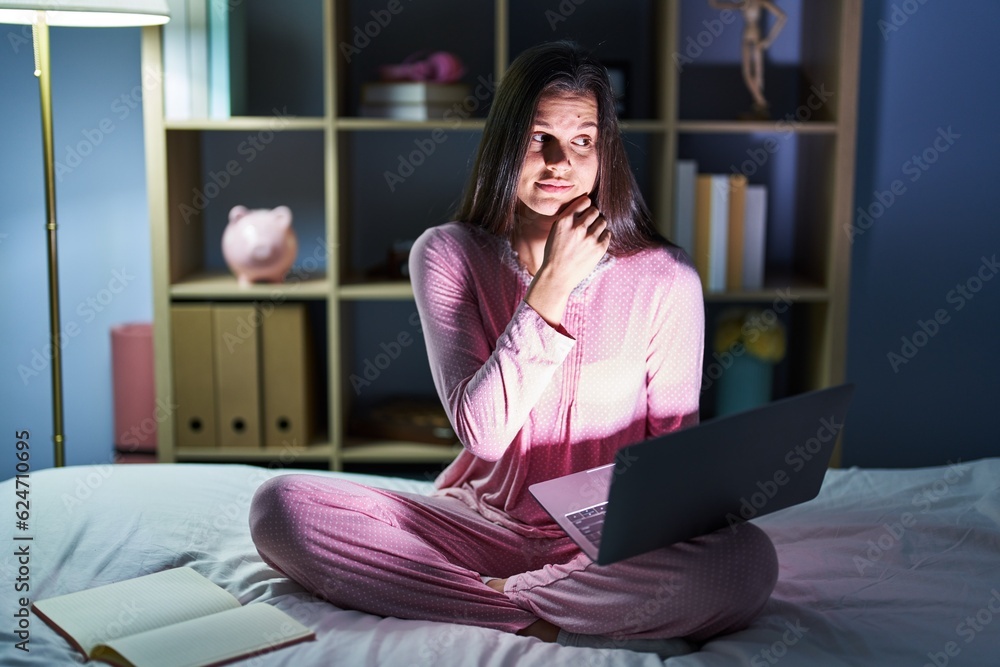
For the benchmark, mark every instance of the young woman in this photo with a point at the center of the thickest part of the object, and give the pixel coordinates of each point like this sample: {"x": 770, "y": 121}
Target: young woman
{"x": 559, "y": 328}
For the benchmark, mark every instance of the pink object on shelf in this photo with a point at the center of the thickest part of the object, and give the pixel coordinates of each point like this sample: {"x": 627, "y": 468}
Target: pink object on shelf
{"x": 133, "y": 387}
{"x": 438, "y": 67}
{"x": 259, "y": 245}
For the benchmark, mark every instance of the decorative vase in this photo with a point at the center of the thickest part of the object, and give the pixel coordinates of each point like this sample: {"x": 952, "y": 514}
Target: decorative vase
{"x": 134, "y": 391}
{"x": 744, "y": 385}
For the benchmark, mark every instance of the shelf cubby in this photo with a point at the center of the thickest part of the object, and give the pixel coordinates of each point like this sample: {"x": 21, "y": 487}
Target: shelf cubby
{"x": 308, "y": 61}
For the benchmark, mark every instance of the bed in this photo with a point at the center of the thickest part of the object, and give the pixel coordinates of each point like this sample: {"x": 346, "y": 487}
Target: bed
{"x": 885, "y": 567}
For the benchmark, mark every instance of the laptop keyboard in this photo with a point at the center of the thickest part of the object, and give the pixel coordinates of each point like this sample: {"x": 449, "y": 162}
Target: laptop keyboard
{"x": 590, "y": 521}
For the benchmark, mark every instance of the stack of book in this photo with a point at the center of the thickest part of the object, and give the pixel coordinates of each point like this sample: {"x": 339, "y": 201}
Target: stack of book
{"x": 204, "y": 60}
{"x": 413, "y": 100}
{"x": 721, "y": 221}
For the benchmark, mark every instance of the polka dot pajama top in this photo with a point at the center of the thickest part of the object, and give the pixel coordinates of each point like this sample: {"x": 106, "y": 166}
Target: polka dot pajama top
{"x": 529, "y": 402}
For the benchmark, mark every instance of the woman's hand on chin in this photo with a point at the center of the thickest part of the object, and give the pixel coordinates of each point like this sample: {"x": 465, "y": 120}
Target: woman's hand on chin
{"x": 577, "y": 241}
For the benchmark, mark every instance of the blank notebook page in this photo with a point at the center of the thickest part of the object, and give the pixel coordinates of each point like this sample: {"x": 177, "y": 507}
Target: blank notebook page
{"x": 101, "y": 614}
{"x": 254, "y": 629}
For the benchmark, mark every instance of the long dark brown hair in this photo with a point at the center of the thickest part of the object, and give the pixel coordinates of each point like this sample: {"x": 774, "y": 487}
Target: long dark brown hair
{"x": 490, "y": 198}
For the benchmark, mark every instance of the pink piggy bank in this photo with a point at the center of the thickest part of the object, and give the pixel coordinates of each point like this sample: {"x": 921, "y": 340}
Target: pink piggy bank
{"x": 259, "y": 245}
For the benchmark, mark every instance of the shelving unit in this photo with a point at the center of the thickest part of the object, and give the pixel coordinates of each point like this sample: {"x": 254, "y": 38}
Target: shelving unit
{"x": 331, "y": 164}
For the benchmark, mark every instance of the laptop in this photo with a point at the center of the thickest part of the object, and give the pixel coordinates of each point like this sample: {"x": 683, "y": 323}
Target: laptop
{"x": 688, "y": 483}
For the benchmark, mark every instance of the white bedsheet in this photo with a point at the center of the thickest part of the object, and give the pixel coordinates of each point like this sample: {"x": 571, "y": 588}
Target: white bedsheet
{"x": 883, "y": 568}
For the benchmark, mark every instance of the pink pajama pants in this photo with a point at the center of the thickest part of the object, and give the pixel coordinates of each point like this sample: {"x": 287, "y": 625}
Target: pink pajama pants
{"x": 411, "y": 556}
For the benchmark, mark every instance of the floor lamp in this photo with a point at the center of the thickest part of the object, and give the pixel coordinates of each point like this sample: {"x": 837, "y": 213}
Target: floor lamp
{"x": 40, "y": 15}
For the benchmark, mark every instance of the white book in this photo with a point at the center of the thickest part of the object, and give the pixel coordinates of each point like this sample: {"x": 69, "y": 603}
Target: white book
{"x": 413, "y": 92}
{"x": 218, "y": 60}
{"x": 176, "y": 92}
{"x": 712, "y": 229}
{"x": 682, "y": 232}
{"x": 754, "y": 237}
{"x": 719, "y": 233}
{"x": 227, "y": 91}
{"x": 186, "y": 60}
{"x": 173, "y": 618}
{"x": 197, "y": 39}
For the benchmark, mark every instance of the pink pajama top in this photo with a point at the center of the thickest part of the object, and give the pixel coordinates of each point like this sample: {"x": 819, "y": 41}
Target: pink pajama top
{"x": 531, "y": 402}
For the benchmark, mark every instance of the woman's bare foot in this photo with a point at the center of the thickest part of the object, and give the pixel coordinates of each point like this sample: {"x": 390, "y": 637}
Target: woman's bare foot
{"x": 541, "y": 629}
{"x": 496, "y": 584}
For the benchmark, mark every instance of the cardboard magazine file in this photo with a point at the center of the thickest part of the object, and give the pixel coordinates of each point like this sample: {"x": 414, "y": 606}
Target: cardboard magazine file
{"x": 286, "y": 377}
{"x": 236, "y": 337}
{"x": 194, "y": 375}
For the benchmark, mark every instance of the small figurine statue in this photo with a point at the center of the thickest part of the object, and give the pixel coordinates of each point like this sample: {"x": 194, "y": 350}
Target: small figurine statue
{"x": 754, "y": 46}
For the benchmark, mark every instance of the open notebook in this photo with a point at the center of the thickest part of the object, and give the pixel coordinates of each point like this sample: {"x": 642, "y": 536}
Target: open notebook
{"x": 173, "y": 618}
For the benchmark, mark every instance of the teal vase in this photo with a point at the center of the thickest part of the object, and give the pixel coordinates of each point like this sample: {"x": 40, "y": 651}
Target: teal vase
{"x": 744, "y": 385}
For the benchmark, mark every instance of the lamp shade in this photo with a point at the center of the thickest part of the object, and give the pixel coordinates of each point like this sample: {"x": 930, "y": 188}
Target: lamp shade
{"x": 87, "y": 13}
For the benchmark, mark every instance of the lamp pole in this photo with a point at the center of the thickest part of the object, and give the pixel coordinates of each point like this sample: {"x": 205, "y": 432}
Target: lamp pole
{"x": 40, "y": 14}
{"x": 43, "y": 70}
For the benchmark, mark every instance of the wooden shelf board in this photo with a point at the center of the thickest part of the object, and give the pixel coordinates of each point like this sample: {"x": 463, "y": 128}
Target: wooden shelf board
{"x": 778, "y": 284}
{"x": 380, "y": 124}
{"x": 287, "y": 455}
{"x": 754, "y": 127}
{"x": 244, "y": 123}
{"x": 644, "y": 125}
{"x": 388, "y": 289}
{"x": 224, "y": 286}
{"x": 799, "y": 293}
{"x": 363, "y": 450}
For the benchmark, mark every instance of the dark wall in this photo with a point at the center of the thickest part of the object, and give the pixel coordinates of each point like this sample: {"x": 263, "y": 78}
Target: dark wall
{"x": 928, "y": 124}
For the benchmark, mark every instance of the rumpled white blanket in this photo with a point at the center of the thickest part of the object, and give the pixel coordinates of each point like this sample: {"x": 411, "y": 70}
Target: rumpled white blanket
{"x": 885, "y": 567}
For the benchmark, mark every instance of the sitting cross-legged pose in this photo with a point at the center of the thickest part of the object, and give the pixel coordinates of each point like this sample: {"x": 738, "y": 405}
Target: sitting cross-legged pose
{"x": 560, "y": 327}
